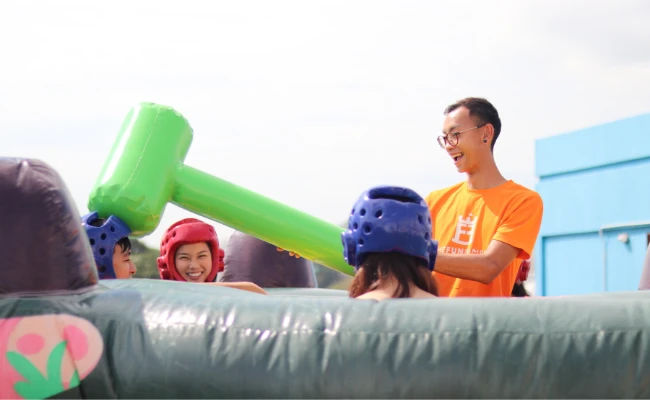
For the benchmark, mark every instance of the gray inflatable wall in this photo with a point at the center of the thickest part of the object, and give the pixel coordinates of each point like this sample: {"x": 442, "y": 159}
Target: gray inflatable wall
{"x": 251, "y": 259}
{"x": 164, "y": 339}
{"x": 42, "y": 245}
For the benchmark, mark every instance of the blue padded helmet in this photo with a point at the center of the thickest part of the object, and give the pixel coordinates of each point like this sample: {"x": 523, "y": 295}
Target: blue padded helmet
{"x": 103, "y": 240}
{"x": 389, "y": 219}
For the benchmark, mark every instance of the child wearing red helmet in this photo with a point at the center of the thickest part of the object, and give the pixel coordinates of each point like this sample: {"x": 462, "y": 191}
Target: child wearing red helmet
{"x": 518, "y": 290}
{"x": 189, "y": 251}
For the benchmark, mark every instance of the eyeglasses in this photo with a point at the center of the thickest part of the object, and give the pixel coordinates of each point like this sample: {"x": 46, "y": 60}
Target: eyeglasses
{"x": 452, "y": 138}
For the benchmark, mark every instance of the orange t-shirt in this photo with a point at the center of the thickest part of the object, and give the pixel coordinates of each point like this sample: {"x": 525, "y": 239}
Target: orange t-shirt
{"x": 465, "y": 221}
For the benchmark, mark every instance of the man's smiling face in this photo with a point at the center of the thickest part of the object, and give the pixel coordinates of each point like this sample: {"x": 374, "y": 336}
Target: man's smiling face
{"x": 467, "y": 152}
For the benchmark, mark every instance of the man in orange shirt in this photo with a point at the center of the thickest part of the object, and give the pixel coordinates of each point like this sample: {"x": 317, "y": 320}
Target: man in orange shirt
{"x": 486, "y": 225}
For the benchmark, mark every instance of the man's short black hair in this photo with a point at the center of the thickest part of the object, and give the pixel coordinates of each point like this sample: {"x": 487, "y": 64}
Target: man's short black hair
{"x": 482, "y": 111}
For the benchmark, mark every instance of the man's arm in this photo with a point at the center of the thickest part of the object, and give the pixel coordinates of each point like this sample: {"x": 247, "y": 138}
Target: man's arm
{"x": 477, "y": 267}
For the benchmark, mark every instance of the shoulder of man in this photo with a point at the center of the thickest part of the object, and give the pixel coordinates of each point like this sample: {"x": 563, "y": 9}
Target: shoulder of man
{"x": 524, "y": 192}
{"x": 436, "y": 194}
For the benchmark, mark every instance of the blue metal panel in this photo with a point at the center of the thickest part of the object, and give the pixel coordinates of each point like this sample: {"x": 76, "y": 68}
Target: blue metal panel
{"x": 589, "y": 181}
{"x": 539, "y": 263}
{"x": 573, "y": 265}
{"x": 585, "y": 201}
{"x": 618, "y": 141}
{"x": 625, "y": 260}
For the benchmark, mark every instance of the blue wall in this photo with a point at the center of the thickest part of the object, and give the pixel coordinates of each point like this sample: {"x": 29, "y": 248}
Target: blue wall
{"x": 595, "y": 184}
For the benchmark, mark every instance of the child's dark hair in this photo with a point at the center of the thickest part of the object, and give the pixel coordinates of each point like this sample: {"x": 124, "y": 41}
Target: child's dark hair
{"x": 124, "y": 243}
{"x": 518, "y": 290}
{"x": 404, "y": 268}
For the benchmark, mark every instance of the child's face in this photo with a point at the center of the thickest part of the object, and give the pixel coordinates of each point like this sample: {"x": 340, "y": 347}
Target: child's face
{"x": 122, "y": 264}
{"x": 194, "y": 261}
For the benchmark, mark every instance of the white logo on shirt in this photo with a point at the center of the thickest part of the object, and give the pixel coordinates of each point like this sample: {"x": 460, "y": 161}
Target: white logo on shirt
{"x": 465, "y": 230}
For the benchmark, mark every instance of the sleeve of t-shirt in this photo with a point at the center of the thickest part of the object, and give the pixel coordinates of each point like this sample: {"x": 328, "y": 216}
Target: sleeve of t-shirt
{"x": 520, "y": 226}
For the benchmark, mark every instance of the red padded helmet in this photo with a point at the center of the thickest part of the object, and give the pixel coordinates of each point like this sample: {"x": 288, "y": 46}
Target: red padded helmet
{"x": 188, "y": 230}
{"x": 524, "y": 268}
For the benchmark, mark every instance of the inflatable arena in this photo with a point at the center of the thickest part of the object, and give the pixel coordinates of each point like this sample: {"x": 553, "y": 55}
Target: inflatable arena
{"x": 64, "y": 333}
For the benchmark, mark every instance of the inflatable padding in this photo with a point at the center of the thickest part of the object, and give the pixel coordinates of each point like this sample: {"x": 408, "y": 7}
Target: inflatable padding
{"x": 254, "y": 260}
{"x": 165, "y": 339}
{"x": 42, "y": 244}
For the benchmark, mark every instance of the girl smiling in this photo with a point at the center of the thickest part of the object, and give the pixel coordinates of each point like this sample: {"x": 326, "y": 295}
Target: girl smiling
{"x": 190, "y": 252}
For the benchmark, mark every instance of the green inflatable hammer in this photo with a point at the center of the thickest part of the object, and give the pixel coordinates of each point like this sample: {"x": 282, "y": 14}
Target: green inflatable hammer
{"x": 145, "y": 170}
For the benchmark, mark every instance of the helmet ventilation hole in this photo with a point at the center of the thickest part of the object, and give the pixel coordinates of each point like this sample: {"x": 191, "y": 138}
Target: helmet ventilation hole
{"x": 355, "y": 226}
{"x": 112, "y": 229}
{"x": 360, "y": 242}
{"x": 92, "y": 242}
{"x": 367, "y": 228}
{"x": 379, "y": 213}
{"x": 420, "y": 219}
{"x": 102, "y": 251}
{"x": 103, "y": 236}
{"x": 362, "y": 212}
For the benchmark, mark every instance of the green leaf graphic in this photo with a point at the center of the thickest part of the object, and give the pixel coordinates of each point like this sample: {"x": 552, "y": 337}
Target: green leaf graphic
{"x": 54, "y": 363}
{"x": 36, "y": 385}
{"x": 74, "y": 381}
{"x": 24, "y": 366}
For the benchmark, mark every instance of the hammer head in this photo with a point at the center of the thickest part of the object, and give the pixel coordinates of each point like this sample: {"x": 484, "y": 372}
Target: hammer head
{"x": 138, "y": 178}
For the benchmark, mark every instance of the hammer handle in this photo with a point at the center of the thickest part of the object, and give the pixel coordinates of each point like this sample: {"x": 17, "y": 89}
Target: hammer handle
{"x": 267, "y": 219}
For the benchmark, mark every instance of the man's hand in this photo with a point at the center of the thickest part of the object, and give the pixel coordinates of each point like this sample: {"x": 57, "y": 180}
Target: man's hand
{"x": 291, "y": 253}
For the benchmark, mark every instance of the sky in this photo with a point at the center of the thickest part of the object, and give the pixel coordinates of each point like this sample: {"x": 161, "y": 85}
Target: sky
{"x": 312, "y": 102}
